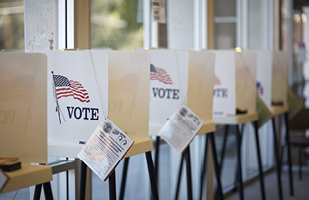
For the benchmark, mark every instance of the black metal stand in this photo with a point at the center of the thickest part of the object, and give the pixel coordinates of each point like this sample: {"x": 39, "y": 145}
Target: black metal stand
{"x": 179, "y": 176}
{"x": 278, "y": 163}
{"x": 236, "y": 164}
{"x": 83, "y": 176}
{"x": 152, "y": 176}
{"x": 112, "y": 186}
{"x": 156, "y": 160}
{"x": 219, "y": 192}
{"x": 37, "y": 192}
{"x": 185, "y": 155}
{"x": 189, "y": 176}
{"x": 151, "y": 171}
{"x": 204, "y": 159}
{"x": 238, "y": 157}
{"x": 223, "y": 146}
{"x": 124, "y": 178}
{"x": 216, "y": 165}
{"x": 258, "y": 153}
{"x": 287, "y": 138}
{"x": 48, "y": 191}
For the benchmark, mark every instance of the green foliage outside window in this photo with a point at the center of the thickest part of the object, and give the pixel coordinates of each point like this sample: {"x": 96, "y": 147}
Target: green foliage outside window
{"x": 116, "y": 24}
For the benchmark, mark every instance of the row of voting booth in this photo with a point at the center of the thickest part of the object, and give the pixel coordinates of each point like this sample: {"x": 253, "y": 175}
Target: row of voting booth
{"x": 53, "y": 102}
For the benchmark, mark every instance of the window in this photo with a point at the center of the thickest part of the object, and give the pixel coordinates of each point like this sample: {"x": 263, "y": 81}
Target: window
{"x": 116, "y": 24}
{"x": 12, "y": 25}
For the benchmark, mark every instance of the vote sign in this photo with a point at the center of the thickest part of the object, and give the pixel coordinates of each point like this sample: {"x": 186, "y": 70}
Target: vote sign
{"x": 75, "y": 107}
{"x": 224, "y": 96}
{"x": 234, "y": 83}
{"x": 168, "y": 85}
{"x": 264, "y": 76}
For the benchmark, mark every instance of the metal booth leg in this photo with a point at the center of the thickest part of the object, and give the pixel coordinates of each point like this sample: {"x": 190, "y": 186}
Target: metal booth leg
{"x": 223, "y": 147}
{"x": 189, "y": 176}
{"x": 37, "y": 192}
{"x": 238, "y": 156}
{"x": 156, "y": 160}
{"x": 278, "y": 163}
{"x": 216, "y": 165}
{"x": 186, "y": 156}
{"x": 124, "y": 178}
{"x": 257, "y": 144}
{"x": 47, "y": 191}
{"x": 152, "y": 176}
{"x": 179, "y": 176}
{"x": 203, "y": 167}
{"x": 236, "y": 164}
{"x": 287, "y": 138}
{"x": 83, "y": 175}
{"x": 112, "y": 186}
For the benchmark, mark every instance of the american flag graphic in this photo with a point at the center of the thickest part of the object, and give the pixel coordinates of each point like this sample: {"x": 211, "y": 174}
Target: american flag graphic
{"x": 65, "y": 88}
{"x": 160, "y": 74}
{"x": 217, "y": 81}
{"x": 259, "y": 88}
{"x": 18, "y": 89}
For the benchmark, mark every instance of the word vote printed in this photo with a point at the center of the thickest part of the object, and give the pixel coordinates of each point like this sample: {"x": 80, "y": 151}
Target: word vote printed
{"x": 165, "y": 93}
{"x": 83, "y": 113}
{"x": 220, "y": 92}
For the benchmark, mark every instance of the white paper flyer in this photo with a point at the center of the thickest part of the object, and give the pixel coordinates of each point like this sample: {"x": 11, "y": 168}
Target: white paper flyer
{"x": 105, "y": 148}
{"x": 181, "y": 128}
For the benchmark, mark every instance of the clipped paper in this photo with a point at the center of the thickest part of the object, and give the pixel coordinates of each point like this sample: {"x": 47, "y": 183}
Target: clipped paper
{"x": 105, "y": 148}
{"x": 181, "y": 128}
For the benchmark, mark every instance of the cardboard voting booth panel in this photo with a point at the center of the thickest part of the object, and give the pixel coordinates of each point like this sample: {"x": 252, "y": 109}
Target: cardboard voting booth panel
{"x": 200, "y": 83}
{"x": 246, "y": 81}
{"x": 23, "y": 103}
{"x": 280, "y": 64}
{"x": 128, "y": 93}
{"x": 264, "y": 76}
{"x": 77, "y": 98}
{"x": 235, "y": 82}
{"x": 168, "y": 85}
{"x": 224, "y": 97}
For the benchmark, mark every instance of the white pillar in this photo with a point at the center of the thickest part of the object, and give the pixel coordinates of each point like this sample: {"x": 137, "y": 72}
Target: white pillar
{"x": 40, "y": 25}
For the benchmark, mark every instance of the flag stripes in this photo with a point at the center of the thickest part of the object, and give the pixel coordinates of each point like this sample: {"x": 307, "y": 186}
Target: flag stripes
{"x": 161, "y": 75}
{"x": 66, "y": 88}
{"x": 217, "y": 81}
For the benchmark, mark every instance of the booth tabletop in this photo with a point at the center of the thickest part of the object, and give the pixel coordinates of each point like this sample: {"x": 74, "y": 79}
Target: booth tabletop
{"x": 141, "y": 145}
{"x": 277, "y": 110}
{"x": 236, "y": 119}
{"x": 208, "y": 127}
{"x": 27, "y": 176}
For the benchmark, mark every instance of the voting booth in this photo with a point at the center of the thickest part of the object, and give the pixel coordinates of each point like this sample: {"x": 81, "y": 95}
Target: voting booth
{"x": 23, "y": 120}
{"x": 128, "y": 93}
{"x": 235, "y": 83}
{"x": 272, "y": 74}
{"x": 280, "y": 65}
{"x": 264, "y": 76}
{"x": 23, "y": 103}
{"x": 168, "y": 85}
{"x": 77, "y": 92}
{"x": 128, "y": 99}
{"x": 200, "y": 87}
